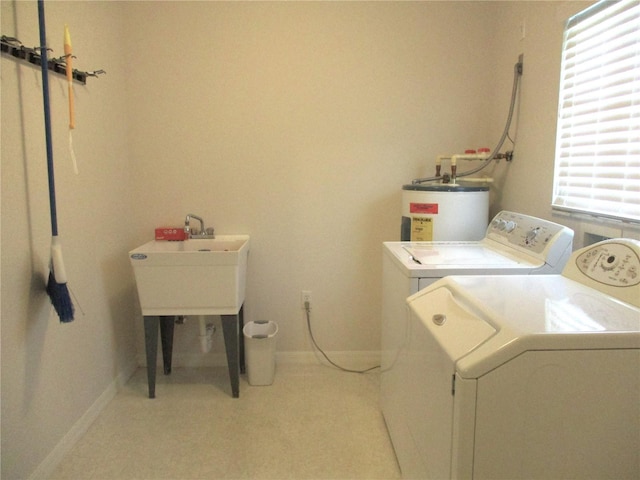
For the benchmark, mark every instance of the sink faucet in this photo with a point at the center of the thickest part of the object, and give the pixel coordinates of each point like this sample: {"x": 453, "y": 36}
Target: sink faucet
{"x": 202, "y": 233}
{"x": 187, "y": 220}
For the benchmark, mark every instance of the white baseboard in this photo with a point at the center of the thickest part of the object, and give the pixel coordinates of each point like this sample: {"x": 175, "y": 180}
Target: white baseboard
{"x": 349, "y": 360}
{"x": 64, "y": 446}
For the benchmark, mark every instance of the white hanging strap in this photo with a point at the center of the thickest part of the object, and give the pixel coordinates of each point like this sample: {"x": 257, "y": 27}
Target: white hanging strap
{"x": 72, "y": 153}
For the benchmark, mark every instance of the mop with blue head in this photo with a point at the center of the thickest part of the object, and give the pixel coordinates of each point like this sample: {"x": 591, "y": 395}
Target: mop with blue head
{"x": 57, "y": 283}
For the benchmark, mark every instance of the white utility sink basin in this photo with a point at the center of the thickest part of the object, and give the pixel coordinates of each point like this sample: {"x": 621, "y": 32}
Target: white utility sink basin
{"x": 192, "y": 277}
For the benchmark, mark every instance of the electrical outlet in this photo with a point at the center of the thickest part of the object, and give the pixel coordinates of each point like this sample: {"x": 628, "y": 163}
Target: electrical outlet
{"x": 306, "y": 297}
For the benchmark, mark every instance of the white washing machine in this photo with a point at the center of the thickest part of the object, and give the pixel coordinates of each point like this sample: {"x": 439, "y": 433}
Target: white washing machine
{"x": 514, "y": 244}
{"x": 526, "y": 377}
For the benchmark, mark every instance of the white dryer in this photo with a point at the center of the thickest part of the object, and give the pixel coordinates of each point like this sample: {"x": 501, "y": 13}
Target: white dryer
{"x": 514, "y": 244}
{"x": 525, "y": 377}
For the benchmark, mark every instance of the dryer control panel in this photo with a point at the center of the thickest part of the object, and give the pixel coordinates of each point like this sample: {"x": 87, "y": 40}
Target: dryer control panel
{"x": 545, "y": 240}
{"x": 611, "y": 266}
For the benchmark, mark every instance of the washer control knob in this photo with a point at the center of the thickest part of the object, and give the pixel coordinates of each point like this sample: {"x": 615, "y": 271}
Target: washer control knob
{"x": 510, "y": 226}
{"x": 439, "y": 319}
{"x": 609, "y": 263}
{"x": 531, "y": 235}
{"x": 498, "y": 224}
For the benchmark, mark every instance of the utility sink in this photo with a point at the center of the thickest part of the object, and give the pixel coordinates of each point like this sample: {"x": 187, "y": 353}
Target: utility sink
{"x": 192, "y": 277}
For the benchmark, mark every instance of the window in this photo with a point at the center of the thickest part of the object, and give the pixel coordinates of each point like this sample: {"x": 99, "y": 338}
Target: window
{"x": 597, "y": 169}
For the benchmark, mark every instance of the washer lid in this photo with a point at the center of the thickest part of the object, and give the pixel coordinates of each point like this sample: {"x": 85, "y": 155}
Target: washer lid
{"x": 439, "y": 259}
{"x": 442, "y": 255}
{"x": 532, "y": 312}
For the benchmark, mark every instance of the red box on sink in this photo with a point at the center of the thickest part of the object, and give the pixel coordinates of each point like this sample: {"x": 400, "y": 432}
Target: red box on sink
{"x": 170, "y": 233}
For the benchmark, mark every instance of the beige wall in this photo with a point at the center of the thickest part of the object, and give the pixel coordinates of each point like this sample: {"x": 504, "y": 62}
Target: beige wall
{"x": 295, "y": 123}
{"x": 53, "y": 373}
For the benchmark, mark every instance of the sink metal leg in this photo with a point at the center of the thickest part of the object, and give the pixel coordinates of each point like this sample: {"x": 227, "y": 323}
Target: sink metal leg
{"x": 243, "y": 368}
{"x": 167, "y": 325}
{"x": 151, "y": 347}
{"x": 230, "y": 324}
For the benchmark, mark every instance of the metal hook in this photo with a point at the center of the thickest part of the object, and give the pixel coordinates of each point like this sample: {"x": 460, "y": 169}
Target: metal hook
{"x": 94, "y": 73}
{"x": 63, "y": 58}
{"x": 11, "y": 41}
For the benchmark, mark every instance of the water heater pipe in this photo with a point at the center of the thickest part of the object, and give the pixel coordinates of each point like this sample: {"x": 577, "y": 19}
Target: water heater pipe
{"x": 517, "y": 73}
{"x": 207, "y": 329}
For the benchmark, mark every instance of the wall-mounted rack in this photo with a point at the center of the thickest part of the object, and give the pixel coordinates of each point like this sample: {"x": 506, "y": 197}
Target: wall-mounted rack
{"x": 14, "y": 48}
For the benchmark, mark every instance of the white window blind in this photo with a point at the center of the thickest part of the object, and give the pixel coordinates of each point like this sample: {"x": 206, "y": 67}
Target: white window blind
{"x": 597, "y": 169}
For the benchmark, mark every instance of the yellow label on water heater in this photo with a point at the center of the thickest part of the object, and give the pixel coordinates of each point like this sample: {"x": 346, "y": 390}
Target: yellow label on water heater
{"x": 421, "y": 229}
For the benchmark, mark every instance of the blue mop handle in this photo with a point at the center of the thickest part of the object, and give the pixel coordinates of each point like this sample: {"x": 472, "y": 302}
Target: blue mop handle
{"x": 47, "y": 117}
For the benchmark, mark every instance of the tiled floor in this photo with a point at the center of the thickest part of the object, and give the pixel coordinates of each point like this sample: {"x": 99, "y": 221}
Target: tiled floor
{"x": 314, "y": 422}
